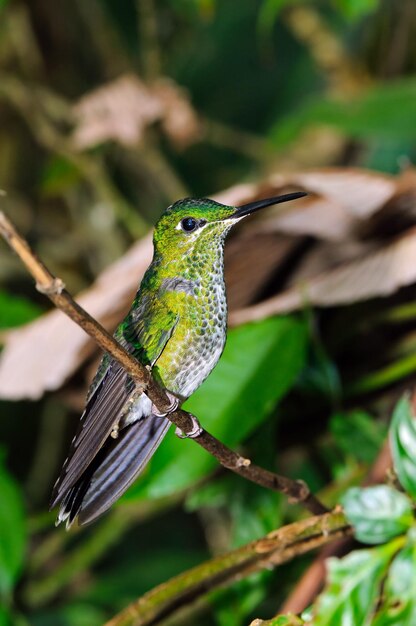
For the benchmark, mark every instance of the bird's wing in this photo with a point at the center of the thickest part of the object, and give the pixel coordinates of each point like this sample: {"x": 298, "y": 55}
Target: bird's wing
{"x": 111, "y": 390}
{"x": 146, "y": 334}
{"x": 114, "y": 469}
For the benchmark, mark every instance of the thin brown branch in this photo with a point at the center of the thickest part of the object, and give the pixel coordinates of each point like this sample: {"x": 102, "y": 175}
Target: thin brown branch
{"x": 53, "y": 287}
{"x": 237, "y": 140}
{"x": 276, "y": 548}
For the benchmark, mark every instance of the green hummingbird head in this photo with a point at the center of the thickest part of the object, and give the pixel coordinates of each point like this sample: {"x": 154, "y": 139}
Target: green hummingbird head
{"x": 194, "y": 222}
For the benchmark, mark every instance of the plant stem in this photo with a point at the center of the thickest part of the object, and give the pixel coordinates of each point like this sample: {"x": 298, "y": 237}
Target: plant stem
{"x": 248, "y": 144}
{"x": 383, "y": 377}
{"x": 149, "y": 46}
{"x": 274, "y": 549}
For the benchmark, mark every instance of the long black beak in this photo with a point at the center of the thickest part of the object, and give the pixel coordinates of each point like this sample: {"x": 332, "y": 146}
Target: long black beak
{"x": 246, "y": 209}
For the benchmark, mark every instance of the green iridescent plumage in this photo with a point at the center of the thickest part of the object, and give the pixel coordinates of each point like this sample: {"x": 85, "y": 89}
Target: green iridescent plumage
{"x": 176, "y": 326}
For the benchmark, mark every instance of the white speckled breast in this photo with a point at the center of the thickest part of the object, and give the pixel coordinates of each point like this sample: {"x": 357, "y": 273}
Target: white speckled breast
{"x": 203, "y": 326}
{"x": 205, "y": 341}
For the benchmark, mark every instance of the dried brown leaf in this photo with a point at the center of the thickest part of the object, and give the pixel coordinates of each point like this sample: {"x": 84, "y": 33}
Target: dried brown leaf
{"x": 250, "y": 262}
{"x": 119, "y": 111}
{"x": 360, "y": 192}
{"x": 327, "y": 255}
{"x": 122, "y": 110}
{"x": 179, "y": 121}
{"x": 378, "y": 274}
{"x": 397, "y": 214}
{"x": 340, "y": 199}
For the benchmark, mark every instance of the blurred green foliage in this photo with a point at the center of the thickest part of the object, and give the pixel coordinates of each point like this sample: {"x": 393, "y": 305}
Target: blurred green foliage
{"x": 355, "y": 9}
{"x": 357, "y": 433}
{"x": 15, "y": 310}
{"x": 385, "y": 112}
{"x": 12, "y": 533}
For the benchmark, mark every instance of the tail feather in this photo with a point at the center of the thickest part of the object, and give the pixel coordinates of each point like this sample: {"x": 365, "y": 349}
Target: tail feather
{"x": 112, "y": 471}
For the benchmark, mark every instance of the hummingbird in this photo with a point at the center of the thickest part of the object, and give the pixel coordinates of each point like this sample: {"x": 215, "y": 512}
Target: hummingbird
{"x": 176, "y": 327}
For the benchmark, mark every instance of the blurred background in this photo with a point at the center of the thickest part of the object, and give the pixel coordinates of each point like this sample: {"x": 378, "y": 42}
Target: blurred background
{"x": 110, "y": 111}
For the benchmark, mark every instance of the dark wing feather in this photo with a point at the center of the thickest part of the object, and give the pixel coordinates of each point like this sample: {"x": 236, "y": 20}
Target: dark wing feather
{"x": 103, "y": 410}
{"x": 99, "y": 468}
{"x": 112, "y": 470}
{"x": 122, "y": 464}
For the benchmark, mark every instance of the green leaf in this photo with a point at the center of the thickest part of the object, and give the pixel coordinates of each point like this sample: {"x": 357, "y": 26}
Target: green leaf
{"x": 354, "y": 586}
{"x": 59, "y": 175}
{"x": 251, "y": 510}
{"x": 260, "y": 363}
{"x": 287, "y": 620}
{"x": 73, "y": 614}
{"x": 384, "y": 155}
{"x": 12, "y": 532}
{"x": 254, "y": 512}
{"x": 399, "y": 598}
{"x": 5, "y": 617}
{"x": 403, "y": 367}
{"x": 280, "y": 620}
{"x": 234, "y": 604}
{"x": 377, "y": 513}
{"x": 356, "y": 9}
{"x": 385, "y": 111}
{"x": 269, "y": 12}
{"x": 213, "y": 494}
{"x": 358, "y": 434}
{"x": 15, "y": 310}
{"x": 403, "y": 445}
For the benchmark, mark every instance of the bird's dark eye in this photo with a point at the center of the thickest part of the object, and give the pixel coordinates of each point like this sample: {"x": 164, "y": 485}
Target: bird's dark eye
{"x": 189, "y": 224}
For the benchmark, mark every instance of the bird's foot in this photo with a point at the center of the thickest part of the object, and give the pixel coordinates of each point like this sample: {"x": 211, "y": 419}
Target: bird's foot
{"x": 115, "y": 431}
{"x": 195, "y": 431}
{"x": 174, "y": 403}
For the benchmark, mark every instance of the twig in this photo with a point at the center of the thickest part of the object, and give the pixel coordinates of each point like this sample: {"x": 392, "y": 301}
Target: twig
{"x": 149, "y": 45}
{"x": 53, "y": 287}
{"x": 276, "y": 548}
{"x": 325, "y": 47}
{"x": 46, "y": 458}
{"x": 237, "y": 140}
